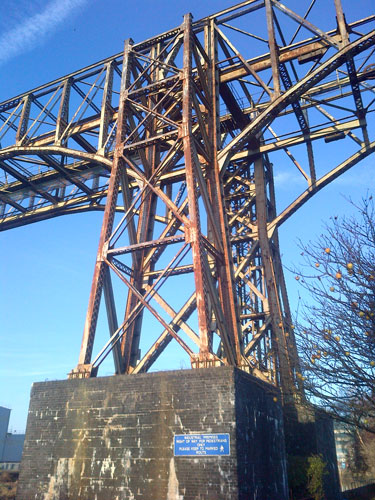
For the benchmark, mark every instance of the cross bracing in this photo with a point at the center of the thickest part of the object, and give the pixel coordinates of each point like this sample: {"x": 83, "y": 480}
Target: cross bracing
{"x": 177, "y": 140}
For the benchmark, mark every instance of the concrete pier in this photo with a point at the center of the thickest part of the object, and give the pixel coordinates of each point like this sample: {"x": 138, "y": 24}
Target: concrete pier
{"x": 112, "y": 438}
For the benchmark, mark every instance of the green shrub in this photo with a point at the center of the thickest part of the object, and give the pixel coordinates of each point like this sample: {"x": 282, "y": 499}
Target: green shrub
{"x": 306, "y": 476}
{"x": 315, "y": 476}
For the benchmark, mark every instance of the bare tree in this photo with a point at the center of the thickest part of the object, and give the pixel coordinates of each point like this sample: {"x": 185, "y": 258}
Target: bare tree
{"x": 336, "y": 335}
{"x": 360, "y": 457}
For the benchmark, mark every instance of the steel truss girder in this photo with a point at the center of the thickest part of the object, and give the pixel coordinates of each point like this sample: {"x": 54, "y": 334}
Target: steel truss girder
{"x": 51, "y": 100}
{"x": 187, "y": 188}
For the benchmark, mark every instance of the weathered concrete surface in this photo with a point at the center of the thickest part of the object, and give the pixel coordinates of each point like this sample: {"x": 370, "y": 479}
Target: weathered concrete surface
{"x": 111, "y": 438}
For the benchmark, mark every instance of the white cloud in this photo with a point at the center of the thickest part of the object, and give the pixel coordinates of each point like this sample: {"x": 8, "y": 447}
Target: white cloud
{"x": 32, "y": 30}
{"x": 288, "y": 178}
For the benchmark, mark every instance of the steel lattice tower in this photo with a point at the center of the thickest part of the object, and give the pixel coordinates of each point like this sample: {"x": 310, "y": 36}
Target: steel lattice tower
{"x": 175, "y": 140}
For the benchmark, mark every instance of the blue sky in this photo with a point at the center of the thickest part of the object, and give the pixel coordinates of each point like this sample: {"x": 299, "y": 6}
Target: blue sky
{"x": 46, "y": 268}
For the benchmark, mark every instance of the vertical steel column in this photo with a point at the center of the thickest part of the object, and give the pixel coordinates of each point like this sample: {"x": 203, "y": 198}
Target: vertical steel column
{"x": 225, "y": 270}
{"x": 279, "y": 343}
{"x": 273, "y": 49}
{"x": 193, "y": 231}
{"x": 63, "y": 116}
{"x": 106, "y": 109}
{"x": 146, "y": 220}
{"x": 341, "y": 23}
{"x": 107, "y": 226}
{"x": 352, "y": 72}
{"x": 24, "y": 120}
{"x": 279, "y": 272}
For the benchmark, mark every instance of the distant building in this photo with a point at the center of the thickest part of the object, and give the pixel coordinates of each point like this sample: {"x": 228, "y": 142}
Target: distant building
{"x": 344, "y": 444}
{"x": 11, "y": 445}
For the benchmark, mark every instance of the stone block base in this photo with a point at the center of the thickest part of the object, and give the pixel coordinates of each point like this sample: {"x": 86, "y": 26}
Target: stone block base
{"x": 111, "y": 438}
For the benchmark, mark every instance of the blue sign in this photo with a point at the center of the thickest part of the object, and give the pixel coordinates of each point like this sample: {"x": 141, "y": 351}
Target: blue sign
{"x": 198, "y": 445}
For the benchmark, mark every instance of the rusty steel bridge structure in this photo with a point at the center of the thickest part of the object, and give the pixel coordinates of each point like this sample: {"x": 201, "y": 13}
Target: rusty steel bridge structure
{"x": 176, "y": 140}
